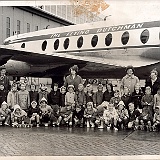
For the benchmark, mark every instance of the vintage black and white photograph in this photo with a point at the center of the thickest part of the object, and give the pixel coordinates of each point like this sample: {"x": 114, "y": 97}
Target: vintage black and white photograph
{"x": 80, "y": 78}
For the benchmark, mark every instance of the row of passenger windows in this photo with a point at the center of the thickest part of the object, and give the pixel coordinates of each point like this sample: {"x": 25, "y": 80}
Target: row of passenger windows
{"x": 108, "y": 40}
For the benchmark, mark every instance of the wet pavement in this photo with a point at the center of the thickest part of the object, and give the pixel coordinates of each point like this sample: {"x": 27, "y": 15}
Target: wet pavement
{"x": 65, "y": 141}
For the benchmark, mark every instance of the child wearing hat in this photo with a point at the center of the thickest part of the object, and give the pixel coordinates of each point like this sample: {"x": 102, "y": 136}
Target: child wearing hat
{"x": 33, "y": 114}
{"x": 45, "y": 112}
{"x": 123, "y": 116}
{"x": 89, "y": 93}
{"x": 156, "y": 119}
{"x": 89, "y": 115}
{"x": 98, "y": 96}
{"x": 18, "y": 115}
{"x": 3, "y": 94}
{"x": 5, "y": 114}
{"x": 116, "y": 99}
{"x": 43, "y": 92}
{"x": 70, "y": 96}
{"x": 110, "y": 117}
{"x": 62, "y": 96}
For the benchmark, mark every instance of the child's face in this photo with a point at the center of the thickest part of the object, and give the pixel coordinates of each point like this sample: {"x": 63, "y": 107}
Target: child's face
{"x": 14, "y": 88}
{"x": 126, "y": 90}
{"x": 73, "y": 72}
{"x": 63, "y": 91}
{"x": 33, "y": 87}
{"x": 148, "y": 91}
{"x": 55, "y": 88}
{"x": 157, "y": 111}
{"x": 1, "y": 87}
{"x": 80, "y": 87}
{"x": 131, "y": 107}
{"x": 89, "y": 89}
{"x": 89, "y": 105}
{"x": 70, "y": 90}
{"x": 129, "y": 72}
{"x": 116, "y": 94}
{"x": 108, "y": 87}
{"x": 120, "y": 107}
{"x": 34, "y": 105}
{"x": 4, "y": 106}
{"x": 110, "y": 107}
{"x": 3, "y": 72}
{"x": 100, "y": 88}
{"x": 18, "y": 111}
{"x": 137, "y": 87}
{"x": 68, "y": 107}
{"x": 23, "y": 87}
{"x": 43, "y": 103}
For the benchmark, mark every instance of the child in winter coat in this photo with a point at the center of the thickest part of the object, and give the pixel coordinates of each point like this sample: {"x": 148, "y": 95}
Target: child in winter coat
{"x": 5, "y": 114}
{"x": 3, "y": 94}
{"x": 156, "y": 119}
{"x": 62, "y": 96}
{"x": 116, "y": 99}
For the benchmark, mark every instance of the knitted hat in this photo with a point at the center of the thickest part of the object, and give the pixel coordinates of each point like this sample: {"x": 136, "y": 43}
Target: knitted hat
{"x": 4, "y": 103}
{"x": 43, "y": 100}
{"x": 121, "y": 103}
{"x": 70, "y": 86}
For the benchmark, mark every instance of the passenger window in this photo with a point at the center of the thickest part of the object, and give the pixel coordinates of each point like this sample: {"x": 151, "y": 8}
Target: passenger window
{"x": 66, "y": 43}
{"x": 56, "y": 44}
{"x": 80, "y": 42}
{"x": 125, "y": 38}
{"x": 108, "y": 39}
{"x": 44, "y": 45}
{"x": 144, "y": 36}
{"x": 94, "y": 40}
{"x": 23, "y": 45}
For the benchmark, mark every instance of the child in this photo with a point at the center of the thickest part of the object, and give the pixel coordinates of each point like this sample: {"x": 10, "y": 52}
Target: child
{"x": 109, "y": 93}
{"x": 66, "y": 115}
{"x": 3, "y": 94}
{"x": 23, "y": 98}
{"x": 157, "y": 98}
{"x": 148, "y": 100}
{"x": 123, "y": 116}
{"x": 126, "y": 97}
{"x": 156, "y": 119}
{"x": 62, "y": 96}
{"x": 78, "y": 118}
{"x": 137, "y": 96}
{"x": 5, "y": 114}
{"x": 110, "y": 117}
{"x": 80, "y": 98}
{"x": 33, "y": 94}
{"x": 116, "y": 99}
{"x": 70, "y": 96}
{"x": 43, "y": 92}
{"x": 18, "y": 115}
{"x": 145, "y": 119}
{"x": 133, "y": 116}
{"x": 89, "y": 93}
{"x": 12, "y": 96}
{"x": 55, "y": 115}
{"x": 33, "y": 113}
{"x": 98, "y": 96}
{"x": 89, "y": 115}
{"x": 45, "y": 112}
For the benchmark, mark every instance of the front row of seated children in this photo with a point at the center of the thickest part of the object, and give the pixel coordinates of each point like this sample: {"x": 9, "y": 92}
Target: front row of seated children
{"x": 105, "y": 115}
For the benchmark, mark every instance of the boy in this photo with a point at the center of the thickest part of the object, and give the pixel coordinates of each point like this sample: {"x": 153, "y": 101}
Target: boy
{"x": 80, "y": 98}
{"x": 12, "y": 96}
{"x": 3, "y": 94}
{"x": 45, "y": 112}
{"x": 43, "y": 93}
{"x": 62, "y": 96}
{"x": 33, "y": 114}
{"x": 110, "y": 117}
{"x": 89, "y": 115}
{"x": 133, "y": 116}
{"x": 123, "y": 116}
{"x": 18, "y": 116}
{"x": 33, "y": 94}
{"x": 98, "y": 96}
{"x": 156, "y": 119}
{"x": 89, "y": 94}
{"x": 5, "y": 114}
{"x": 23, "y": 98}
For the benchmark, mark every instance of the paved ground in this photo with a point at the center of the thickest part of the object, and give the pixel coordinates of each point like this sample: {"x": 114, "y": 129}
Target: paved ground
{"x": 76, "y": 142}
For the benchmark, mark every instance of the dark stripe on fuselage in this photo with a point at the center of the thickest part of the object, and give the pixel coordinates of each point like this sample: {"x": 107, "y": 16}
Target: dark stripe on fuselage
{"x": 88, "y": 31}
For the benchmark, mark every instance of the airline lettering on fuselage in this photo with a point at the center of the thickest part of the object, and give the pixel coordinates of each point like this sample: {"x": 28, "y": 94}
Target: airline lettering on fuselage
{"x": 98, "y": 30}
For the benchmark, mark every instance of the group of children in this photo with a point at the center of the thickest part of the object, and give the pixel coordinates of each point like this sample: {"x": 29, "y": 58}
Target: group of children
{"x": 66, "y": 107}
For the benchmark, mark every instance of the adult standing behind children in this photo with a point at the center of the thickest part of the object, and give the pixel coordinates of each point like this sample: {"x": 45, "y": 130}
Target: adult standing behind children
{"x": 129, "y": 80}
{"x": 153, "y": 81}
{"x": 4, "y": 79}
{"x": 73, "y": 79}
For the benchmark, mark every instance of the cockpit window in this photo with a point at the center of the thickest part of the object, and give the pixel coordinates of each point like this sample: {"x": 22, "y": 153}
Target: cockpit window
{"x": 108, "y": 39}
{"x": 56, "y": 44}
{"x": 125, "y": 38}
{"x": 144, "y": 36}
{"x": 94, "y": 40}
{"x": 44, "y": 45}
{"x": 66, "y": 43}
{"x": 80, "y": 42}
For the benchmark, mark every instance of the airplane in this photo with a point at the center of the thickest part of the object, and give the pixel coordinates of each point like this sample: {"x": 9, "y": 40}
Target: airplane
{"x": 100, "y": 50}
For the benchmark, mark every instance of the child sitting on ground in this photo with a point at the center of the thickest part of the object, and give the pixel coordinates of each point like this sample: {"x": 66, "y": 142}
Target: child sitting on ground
{"x": 133, "y": 116}
{"x": 156, "y": 119}
{"x": 18, "y": 115}
{"x": 5, "y": 114}
{"x": 145, "y": 119}
{"x": 110, "y": 117}
{"x": 89, "y": 115}
{"x": 123, "y": 116}
{"x": 33, "y": 113}
{"x": 116, "y": 99}
{"x": 78, "y": 113}
{"x": 66, "y": 115}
